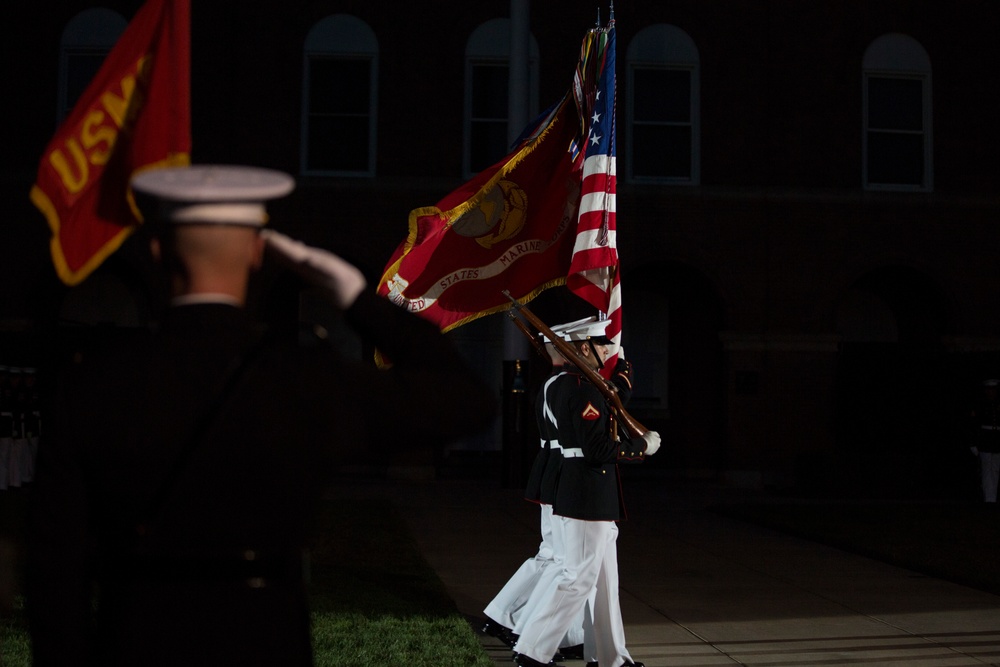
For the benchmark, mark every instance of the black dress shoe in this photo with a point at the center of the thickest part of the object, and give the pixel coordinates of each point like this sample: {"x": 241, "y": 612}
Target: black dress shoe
{"x": 525, "y": 661}
{"x": 569, "y": 653}
{"x": 504, "y": 634}
{"x": 491, "y": 628}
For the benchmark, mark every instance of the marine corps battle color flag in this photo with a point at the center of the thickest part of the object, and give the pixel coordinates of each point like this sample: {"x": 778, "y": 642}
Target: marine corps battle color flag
{"x": 135, "y": 114}
{"x": 542, "y": 216}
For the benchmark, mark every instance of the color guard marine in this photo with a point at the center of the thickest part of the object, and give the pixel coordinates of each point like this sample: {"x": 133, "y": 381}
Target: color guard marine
{"x": 576, "y": 413}
{"x": 508, "y": 610}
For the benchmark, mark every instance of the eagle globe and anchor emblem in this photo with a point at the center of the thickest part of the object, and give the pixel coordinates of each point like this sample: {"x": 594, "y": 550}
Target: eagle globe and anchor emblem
{"x": 500, "y": 215}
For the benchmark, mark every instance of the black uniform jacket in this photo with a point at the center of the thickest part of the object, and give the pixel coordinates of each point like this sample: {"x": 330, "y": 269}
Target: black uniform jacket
{"x": 588, "y": 485}
{"x": 544, "y": 475}
{"x": 213, "y": 579}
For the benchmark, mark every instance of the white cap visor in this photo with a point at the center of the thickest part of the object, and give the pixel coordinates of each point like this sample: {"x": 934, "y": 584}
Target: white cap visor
{"x": 213, "y": 194}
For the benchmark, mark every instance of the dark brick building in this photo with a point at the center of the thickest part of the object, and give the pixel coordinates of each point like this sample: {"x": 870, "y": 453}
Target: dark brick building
{"x": 807, "y": 198}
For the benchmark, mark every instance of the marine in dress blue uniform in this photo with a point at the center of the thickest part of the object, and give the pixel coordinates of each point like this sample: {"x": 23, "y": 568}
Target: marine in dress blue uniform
{"x": 586, "y": 507}
{"x": 182, "y": 469}
{"x": 509, "y": 608}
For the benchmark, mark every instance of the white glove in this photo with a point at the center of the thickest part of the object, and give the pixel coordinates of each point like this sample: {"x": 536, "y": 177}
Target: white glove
{"x": 318, "y": 267}
{"x": 652, "y": 439}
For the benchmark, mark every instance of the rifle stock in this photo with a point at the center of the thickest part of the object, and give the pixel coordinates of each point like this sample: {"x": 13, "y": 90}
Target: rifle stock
{"x": 631, "y": 425}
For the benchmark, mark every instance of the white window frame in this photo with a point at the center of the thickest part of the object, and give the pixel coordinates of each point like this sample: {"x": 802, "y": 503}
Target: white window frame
{"x": 340, "y": 37}
{"x": 489, "y": 44}
{"x": 898, "y": 56}
{"x": 667, "y": 47}
{"x": 92, "y": 32}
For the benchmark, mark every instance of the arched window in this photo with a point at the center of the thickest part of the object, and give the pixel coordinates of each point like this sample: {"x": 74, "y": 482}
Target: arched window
{"x": 86, "y": 41}
{"x": 339, "y": 98}
{"x": 487, "y": 77}
{"x": 897, "y": 115}
{"x": 663, "y": 141}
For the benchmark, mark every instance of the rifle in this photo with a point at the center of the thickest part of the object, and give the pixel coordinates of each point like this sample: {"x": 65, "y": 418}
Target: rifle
{"x": 535, "y": 343}
{"x": 633, "y": 428}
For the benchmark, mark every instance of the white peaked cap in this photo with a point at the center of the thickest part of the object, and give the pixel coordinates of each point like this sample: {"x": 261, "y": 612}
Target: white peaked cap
{"x": 213, "y": 194}
{"x": 587, "y": 328}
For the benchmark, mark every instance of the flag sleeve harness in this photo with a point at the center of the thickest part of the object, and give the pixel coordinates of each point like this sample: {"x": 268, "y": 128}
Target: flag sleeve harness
{"x": 632, "y": 427}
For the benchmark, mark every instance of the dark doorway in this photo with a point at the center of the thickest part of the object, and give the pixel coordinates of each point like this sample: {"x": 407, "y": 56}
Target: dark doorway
{"x": 898, "y": 430}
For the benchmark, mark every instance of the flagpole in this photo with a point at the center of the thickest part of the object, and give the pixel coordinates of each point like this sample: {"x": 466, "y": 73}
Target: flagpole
{"x": 517, "y": 417}
{"x": 515, "y": 347}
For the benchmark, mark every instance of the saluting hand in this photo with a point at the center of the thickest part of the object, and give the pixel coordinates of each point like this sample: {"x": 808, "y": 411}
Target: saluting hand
{"x": 319, "y": 267}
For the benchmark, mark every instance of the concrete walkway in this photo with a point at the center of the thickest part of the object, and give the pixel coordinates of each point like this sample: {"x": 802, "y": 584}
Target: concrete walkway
{"x": 699, "y": 589}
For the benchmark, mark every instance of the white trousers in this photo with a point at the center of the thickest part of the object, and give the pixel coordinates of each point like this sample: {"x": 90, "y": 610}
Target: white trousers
{"x": 589, "y": 572}
{"x": 505, "y": 608}
{"x": 989, "y": 469}
{"x": 511, "y": 607}
{"x": 581, "y": 630}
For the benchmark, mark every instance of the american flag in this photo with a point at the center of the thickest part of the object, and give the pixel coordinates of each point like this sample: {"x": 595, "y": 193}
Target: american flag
{"x": 593, "y": 273}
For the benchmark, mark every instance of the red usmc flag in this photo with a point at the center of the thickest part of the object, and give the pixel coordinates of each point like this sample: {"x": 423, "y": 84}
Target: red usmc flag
{"x": 135, "y": 114}
{"x": 511, "y": 227}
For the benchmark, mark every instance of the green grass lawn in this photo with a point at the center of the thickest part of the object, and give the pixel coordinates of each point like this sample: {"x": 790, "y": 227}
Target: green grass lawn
{"x": 956, "y": 541}
{"x": 375, "y": 601}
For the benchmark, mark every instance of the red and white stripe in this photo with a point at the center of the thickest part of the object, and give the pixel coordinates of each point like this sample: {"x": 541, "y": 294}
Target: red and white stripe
{"x": 594, "y": 274}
